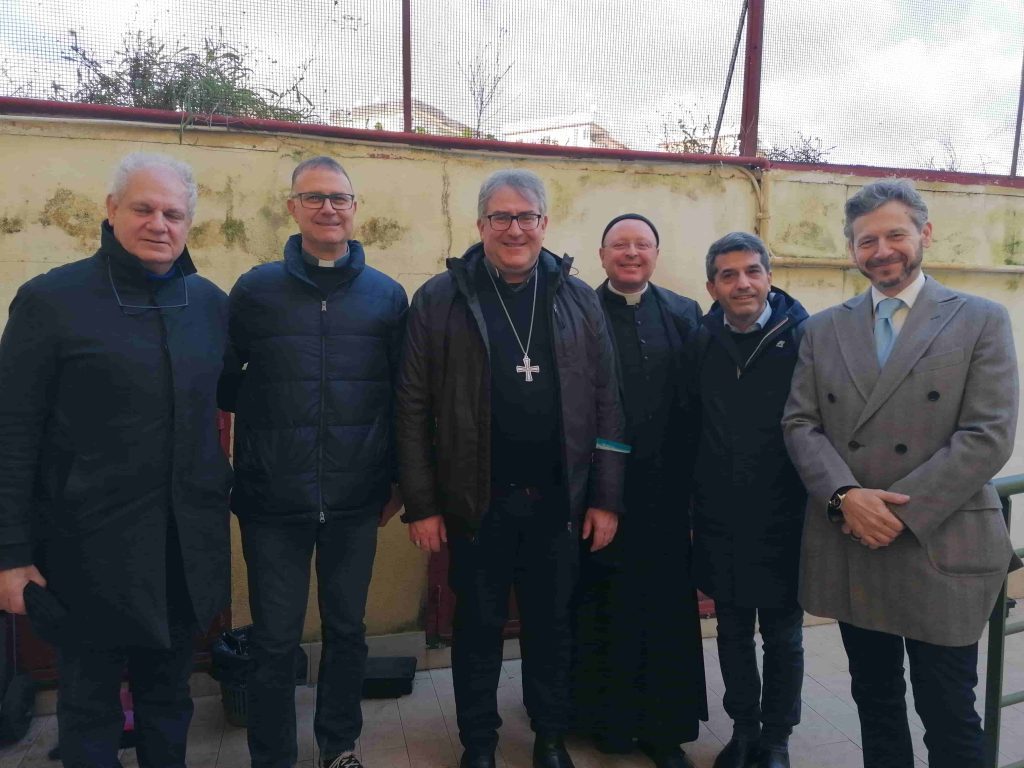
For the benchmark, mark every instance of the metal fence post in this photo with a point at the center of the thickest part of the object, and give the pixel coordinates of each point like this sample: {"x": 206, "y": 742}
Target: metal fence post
{"x": 407, "y": 66}
{"x": 752, "y": 79}
{"x": 994, "y": 668}
{"x": 998, "y": 630}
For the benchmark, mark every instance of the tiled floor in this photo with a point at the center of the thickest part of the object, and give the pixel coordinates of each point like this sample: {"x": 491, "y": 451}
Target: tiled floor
{"x": 418, "y": 731}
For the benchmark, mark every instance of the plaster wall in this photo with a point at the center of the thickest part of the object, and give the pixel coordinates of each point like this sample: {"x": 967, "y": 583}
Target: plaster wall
{"x": 418, "y": 205}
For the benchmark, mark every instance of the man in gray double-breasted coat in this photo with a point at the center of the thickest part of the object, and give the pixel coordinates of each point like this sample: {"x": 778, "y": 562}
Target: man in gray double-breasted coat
{"x": 903, "y": 407}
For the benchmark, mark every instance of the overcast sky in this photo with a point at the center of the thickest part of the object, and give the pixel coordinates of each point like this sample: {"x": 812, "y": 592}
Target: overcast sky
{"x": 882, "y": 82}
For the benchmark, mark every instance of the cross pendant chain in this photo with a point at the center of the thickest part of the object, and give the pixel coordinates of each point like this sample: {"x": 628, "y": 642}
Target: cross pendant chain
{"x": 525, "y": 368}
{"x": 528, "y": 369}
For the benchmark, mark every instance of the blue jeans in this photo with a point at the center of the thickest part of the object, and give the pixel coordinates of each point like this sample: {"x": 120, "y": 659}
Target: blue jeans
{"x": 278, "y": 558}
{"x": 943, "y": 678}
{"x": 773, "y": 709}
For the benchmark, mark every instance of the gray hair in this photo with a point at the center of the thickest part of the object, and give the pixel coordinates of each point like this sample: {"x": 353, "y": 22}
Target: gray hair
{"x": 878, "y": 193}
{"x": 320, "y": 161}
{"x": 140, "y": 161}
{"x": 526, "y": 183}
{"x": 736, "y": 241}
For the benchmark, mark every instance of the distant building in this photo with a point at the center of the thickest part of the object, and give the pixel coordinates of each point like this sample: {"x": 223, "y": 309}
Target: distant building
{"x": 576, "y": 130}
{"x": 389, "y": 116}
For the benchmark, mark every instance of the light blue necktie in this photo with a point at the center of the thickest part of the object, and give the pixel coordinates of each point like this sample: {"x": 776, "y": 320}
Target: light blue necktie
{"x": 885, "y": 334}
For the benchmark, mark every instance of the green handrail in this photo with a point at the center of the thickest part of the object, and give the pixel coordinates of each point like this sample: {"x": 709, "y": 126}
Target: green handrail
{"x": 998, "y": 631}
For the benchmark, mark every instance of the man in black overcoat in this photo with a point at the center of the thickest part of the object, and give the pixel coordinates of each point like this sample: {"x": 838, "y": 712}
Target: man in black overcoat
{"x": 113, "y": 484}
{"x": 640, "y": 668}
{"x": 748, "y": 499}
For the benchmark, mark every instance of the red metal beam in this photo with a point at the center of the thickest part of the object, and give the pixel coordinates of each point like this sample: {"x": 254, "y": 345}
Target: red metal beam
{"x": 752, "y": 78}
{"x": 41, "y": 108}
{"x": 406, "y": 66}
{"x": 37, "y": 107}
{"x": 915, "y": 174}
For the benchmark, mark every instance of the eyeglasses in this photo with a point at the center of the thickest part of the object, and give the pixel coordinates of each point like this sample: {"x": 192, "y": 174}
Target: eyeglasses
{"x": 314, "y": 201}
{"x": 502, "y": 221}
{"x": 140, "y": 308}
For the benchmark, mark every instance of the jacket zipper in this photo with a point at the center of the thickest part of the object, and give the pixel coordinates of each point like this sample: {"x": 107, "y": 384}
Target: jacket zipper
{"x": 766, "y": 337}
{"x": 320, "y": 432}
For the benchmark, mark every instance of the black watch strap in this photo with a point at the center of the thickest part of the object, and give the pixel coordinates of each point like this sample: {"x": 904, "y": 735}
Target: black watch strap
{"x": 834, "y": 508}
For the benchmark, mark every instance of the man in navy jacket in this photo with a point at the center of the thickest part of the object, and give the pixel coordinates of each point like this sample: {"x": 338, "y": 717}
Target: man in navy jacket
{"x": 748, "y": 499}
{"x": 113, "y": 485}
{"x": 319, "y": 334}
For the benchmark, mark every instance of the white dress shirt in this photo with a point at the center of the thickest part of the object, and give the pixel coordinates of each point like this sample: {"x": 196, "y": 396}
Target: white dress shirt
{"x": 908, "y": 296}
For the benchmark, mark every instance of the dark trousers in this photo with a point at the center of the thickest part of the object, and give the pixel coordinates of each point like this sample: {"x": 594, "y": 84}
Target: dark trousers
{"x": 278, "y": 560}
{"x": 943, "y": 678}
{"x": 89, "y": 714}
{"x": 771, "y": 709}
{"x": 523, "y": 542}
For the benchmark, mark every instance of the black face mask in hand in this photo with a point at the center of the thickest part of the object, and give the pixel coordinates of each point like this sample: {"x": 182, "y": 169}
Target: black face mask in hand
{"x": 46, "y": 613}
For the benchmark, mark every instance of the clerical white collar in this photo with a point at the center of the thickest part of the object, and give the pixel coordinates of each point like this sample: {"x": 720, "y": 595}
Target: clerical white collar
{"x": 631, "y": 298}
{"x": 757, "y": 325}
{"x": 908, "y": 295}
{"x": 341, "y": 261}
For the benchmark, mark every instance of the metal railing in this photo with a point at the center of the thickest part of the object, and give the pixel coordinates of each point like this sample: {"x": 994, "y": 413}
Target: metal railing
{"x": 998, "y": 630}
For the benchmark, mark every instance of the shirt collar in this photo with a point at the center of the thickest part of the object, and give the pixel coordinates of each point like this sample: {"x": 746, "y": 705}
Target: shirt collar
{"x": 631, "y": 298}
{"x": 761, "y": 321}
{"x": 908, "y": 295}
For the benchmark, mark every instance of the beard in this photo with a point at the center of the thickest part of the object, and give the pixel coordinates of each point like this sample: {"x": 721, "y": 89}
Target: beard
{"x": 907, "y": 269}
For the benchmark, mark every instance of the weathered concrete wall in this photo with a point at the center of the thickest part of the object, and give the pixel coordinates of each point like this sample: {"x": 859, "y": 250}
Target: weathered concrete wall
{"x": 417, "y": 206}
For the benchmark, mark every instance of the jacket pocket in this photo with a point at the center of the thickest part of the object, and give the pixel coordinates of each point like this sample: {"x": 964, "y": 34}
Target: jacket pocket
{"x": 940, "y": 360}
{"x": 971, "y": 542}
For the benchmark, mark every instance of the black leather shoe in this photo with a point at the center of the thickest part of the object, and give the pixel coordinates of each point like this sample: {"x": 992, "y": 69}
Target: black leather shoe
{"x": 473, "y": 758}
{"x": 738, "y": 753}
{"x": 549, "y": 752}
{"x": 666, "y": 757}
{"x": 773, "y": 757}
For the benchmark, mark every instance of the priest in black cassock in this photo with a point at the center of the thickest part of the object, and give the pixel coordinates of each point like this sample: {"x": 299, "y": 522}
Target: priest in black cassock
{"x": 639, "y": 678}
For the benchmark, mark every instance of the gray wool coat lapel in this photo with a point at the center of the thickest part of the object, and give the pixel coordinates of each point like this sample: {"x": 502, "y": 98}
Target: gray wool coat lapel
{"x": 935, "y": 306}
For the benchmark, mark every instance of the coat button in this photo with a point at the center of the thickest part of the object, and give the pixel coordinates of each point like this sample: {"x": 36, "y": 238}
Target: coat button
{"x": 831, "y": 397}
{"x": 900, "y": 448}
{"x": 933, "y": 395}
{"x": 853, "y": 445}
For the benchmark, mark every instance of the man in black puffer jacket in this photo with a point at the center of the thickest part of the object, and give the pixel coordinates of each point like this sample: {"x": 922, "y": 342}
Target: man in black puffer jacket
{"x": 320, "y": 333}
{"x": 509, "y": 427}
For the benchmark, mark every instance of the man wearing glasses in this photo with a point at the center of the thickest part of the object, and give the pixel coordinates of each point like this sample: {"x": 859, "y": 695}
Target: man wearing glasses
{"x": 113, "y": 485}
{"x": 510, "y": 449}
{"x": 319, "y": 334}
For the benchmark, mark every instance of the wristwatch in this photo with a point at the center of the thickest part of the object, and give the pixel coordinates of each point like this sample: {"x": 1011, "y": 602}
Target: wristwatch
{"x": 835, "y": 504}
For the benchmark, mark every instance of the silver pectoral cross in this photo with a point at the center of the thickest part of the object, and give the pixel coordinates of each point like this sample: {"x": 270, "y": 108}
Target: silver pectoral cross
{"x": 528, "y": 369}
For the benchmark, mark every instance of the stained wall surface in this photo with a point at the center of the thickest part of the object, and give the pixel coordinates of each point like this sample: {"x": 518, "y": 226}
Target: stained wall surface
{"x": 417, "y": 206}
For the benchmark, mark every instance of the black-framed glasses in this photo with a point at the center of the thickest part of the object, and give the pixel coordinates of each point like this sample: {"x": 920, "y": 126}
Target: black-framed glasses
{"x": 502, "y": 221}
{"x": 144, "y": 307}
{"x": 314, "y": 201}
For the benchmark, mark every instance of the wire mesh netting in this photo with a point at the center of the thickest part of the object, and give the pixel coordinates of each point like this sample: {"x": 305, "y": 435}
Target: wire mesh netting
{"x": 911, "y": 83}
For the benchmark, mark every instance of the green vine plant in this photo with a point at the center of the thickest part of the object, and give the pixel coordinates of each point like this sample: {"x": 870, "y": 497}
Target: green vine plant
{"x": 214, "y": 80}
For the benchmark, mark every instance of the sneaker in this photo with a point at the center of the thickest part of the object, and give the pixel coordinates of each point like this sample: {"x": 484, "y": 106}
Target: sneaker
{"x": 346, "y": 760}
